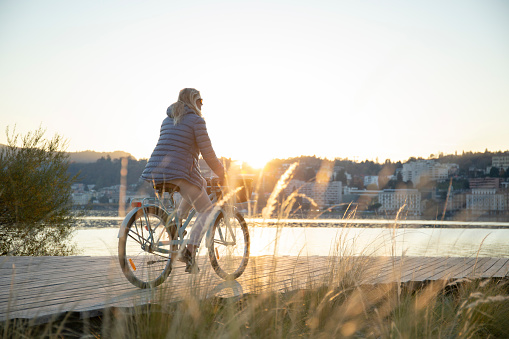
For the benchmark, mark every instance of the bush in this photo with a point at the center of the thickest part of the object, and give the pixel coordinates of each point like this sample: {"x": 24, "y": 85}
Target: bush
{"x": 35, "y": 196}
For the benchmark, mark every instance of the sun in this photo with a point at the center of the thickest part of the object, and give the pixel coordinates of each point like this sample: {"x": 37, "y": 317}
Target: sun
{"x": 257, "y": 162}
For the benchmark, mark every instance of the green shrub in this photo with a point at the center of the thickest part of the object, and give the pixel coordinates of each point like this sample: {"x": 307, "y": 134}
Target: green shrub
{"x": 35, "y": 196}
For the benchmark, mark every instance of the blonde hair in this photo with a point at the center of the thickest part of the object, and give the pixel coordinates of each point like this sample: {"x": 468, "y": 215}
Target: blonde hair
{"x": 187, "y": 97}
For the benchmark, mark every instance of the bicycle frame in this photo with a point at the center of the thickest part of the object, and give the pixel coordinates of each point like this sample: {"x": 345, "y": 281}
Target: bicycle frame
{"x": 172, "y": 212}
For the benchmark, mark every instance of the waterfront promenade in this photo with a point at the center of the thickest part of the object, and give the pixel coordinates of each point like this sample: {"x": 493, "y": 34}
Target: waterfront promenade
{"x": 43, "y": 287}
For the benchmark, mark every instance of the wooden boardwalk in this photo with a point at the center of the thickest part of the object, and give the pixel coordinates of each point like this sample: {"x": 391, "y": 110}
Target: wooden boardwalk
{"x": 42, "y": 287}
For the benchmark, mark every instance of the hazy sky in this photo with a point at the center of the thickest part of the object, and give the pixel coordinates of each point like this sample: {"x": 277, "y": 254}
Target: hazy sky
{"x": 357, "y": 79}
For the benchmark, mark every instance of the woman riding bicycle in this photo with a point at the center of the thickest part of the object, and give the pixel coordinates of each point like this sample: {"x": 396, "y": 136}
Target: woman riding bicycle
{"x": 175, "y": 161}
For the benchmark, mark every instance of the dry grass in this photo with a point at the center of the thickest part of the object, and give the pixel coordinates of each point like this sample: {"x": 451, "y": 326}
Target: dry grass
{"x": 339, "y": 305}
{"x": 467, "y": 309}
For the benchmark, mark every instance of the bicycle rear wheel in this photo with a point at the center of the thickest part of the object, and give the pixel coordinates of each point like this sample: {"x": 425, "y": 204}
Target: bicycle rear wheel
{"x": 144, "y": 250}
{"x": 229, "y": 246}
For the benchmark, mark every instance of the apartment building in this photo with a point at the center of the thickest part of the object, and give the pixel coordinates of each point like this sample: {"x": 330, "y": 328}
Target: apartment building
{"x": 482, "y": 200}
{"x": 82, "y": 198}
{"x": 324, "y": 194}
{"x": 484, "y": 183}
{"x": 500, "y": 161}
{"x": 416, "y": 170}
{"x": 392, "y": 200}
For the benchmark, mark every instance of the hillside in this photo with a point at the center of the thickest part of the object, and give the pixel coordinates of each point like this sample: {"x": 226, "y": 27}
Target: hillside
{"x": 92, "y": 156}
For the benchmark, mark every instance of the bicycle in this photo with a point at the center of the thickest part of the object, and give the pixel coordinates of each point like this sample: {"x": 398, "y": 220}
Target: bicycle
{"x": 151, "y": 236}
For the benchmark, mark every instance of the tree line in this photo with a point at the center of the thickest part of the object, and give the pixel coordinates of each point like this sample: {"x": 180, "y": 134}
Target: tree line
{"x": 105, "y": 172}
{"x": 310, "y": 165}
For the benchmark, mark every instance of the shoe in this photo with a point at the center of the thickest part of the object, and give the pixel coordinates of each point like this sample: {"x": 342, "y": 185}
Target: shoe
{"x": 192, "y": 268}
{"x": 187, "y": 258}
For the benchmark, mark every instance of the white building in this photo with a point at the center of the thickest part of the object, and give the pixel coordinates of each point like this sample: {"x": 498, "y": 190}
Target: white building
{"x": 323, "y": 194}
{"x": 82, "y": 198}
{"x": 500, "y": 161}
{"x": 415, "y": 170}
{"x": 392, "y": 200}
{"x": 485, "y": 200}
{"x": 370, "y": 179}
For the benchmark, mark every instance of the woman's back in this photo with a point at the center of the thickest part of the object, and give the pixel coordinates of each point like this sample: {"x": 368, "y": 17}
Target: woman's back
{"x": 178, "y": 148}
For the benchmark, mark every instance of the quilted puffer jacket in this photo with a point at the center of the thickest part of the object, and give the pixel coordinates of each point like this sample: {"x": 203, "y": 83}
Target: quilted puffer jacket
{"x": 176, "y": 153}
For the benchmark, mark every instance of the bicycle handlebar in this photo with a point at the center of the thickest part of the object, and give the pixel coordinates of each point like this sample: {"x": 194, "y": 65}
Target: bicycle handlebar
{"x": 220, "y": 187}
{"x": 214, "y": 185}
{"x": 214, "y": 181}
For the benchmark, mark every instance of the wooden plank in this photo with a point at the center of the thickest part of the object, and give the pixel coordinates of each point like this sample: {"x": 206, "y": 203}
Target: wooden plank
{"x": 419, "y": 269}
{"x": 58, "y": 301}
{"x": 381, "y": 269}
{"x": 450, "y": 267}
{"x": 270, "y": 268}
{"x": 66, "y": 281}
{"x": 502, "y": 271}
{"x": 489, "y": 273}
{"x": 465, "y": 270}
{"x": 482, "y": 267}
{"x": 404, "y": 269}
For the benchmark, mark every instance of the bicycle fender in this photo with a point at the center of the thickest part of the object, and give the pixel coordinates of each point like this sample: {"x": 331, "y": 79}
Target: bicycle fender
{"x": 126, "y": 220}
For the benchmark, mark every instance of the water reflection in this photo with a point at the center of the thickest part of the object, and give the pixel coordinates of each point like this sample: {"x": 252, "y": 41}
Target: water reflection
{"x": 381, "y": 242}
{"x": 344, "y": 241}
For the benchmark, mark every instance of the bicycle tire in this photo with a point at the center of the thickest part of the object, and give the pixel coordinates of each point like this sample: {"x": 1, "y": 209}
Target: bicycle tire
{"x": 144, "y": 264}
{"x": 227, "y": 259}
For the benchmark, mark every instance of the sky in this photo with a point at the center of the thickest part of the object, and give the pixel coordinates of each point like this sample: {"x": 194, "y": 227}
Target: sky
{"x": 351, "y": 79}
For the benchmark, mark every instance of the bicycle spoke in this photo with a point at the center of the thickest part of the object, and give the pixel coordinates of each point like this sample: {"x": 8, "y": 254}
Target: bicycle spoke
{"x": 229, "y": 246}
{"x": 144, "y": 261}
{"x": 137, "y": 240}
{"x": 151, "y": 262}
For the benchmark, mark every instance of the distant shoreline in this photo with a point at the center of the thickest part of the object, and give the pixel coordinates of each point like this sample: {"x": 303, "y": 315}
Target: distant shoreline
{"x": 113, "y": 220}
{"x": 112, "y": 211}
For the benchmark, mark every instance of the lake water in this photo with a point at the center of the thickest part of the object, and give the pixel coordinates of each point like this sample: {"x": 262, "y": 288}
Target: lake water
{"x": 97, "y": 236}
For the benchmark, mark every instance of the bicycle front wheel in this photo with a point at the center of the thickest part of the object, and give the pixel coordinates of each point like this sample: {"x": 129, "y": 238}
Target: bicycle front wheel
{"x": 229, "y": 246}
{"x": 145, "y": 250}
